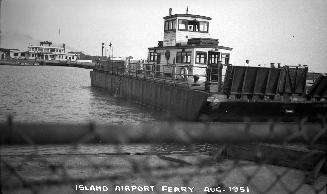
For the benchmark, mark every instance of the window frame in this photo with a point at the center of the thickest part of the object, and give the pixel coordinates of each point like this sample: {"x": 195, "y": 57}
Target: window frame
{"x": 154, "y": 57}
{"x": 201, "y": 53}
{"x": 207, "y": 23}
{"x": 216, "y": 59}
{"x": 183, "y": 57}
{"x": 186, "y": 25}
{"x": 170, "y": 25}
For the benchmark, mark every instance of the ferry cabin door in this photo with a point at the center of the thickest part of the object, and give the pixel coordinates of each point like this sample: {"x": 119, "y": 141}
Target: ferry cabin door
{"x": 213, "y": 61}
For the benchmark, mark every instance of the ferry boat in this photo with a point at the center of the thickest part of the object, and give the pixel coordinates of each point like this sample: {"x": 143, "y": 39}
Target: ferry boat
{"x": 189, "y": 74}
{"x": 187, "y": 48}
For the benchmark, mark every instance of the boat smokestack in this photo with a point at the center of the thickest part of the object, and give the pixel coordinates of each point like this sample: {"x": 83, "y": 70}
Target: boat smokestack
{"x": 247, "y": 61}
{"x": 170, "y": 11}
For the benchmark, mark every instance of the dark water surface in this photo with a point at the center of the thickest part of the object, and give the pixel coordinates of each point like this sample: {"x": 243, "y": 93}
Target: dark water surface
{"x": 64, "y": 94}
{"x": 61, "y": 94}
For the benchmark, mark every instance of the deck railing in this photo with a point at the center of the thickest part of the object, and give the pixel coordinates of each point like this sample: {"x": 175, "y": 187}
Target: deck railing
{"x": 175, "y": 74}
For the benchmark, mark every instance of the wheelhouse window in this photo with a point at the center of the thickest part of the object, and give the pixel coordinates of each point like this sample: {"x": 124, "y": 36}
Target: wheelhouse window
{"x": 182, "y": 24}
{"x": 170, "y": 25}
{"x": 204, "y": 26}
{"x": 201, "y": 57}
{"x": 183, "y": 57}
{"x": 193, "y": 25}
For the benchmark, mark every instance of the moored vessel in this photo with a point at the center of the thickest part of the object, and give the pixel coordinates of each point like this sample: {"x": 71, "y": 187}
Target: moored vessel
{"x": 190, "y": 75}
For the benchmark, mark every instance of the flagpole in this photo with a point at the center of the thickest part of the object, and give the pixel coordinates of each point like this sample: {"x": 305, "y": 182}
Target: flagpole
{"x": 112, "y": 50}
{"x": 105, "y": 51}
{"x": 59, "y": 36}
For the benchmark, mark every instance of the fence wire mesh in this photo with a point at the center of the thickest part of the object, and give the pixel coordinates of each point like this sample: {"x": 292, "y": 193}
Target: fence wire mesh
{"x": 164, "y": 157}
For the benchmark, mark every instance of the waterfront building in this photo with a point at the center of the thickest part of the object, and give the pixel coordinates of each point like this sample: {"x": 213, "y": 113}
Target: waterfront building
{"x": 72, "y": 56}
{"x": 45, "y": 51}
{"x": 3, "y": 53}
{"x": 17, "y": 54}
{"x": 187, "y": 48}
{"x": 12, "y": 54}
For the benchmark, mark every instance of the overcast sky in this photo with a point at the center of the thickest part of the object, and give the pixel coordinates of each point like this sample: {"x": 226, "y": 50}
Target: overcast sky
{"x": 288, "y": 31}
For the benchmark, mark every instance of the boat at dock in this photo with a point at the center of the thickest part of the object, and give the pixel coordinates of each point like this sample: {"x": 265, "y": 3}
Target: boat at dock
{"x": 189, "y": 74}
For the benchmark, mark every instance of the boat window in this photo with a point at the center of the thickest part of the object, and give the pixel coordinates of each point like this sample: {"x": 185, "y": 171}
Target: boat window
{"x": 166, "y": 25}
{"x": 204, "y": 26}
{"x": 193, "y": 26}
{"x": 182, "y": 24}
{"x": 183, "y": 57}
{"x": 154, "y": 57}
{"x": 201, "y": 57}
{"x": 174, "y": 24}
{"x": 214, "y": 57}
{"x": 170, "y": 25}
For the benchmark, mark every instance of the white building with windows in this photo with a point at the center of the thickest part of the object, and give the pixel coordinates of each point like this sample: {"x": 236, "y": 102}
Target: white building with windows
{"x": 72, "y": 56}
{"x": 12, "y": 54}
{"x": 45, "y": 51}
{"x": 187, "y": 47}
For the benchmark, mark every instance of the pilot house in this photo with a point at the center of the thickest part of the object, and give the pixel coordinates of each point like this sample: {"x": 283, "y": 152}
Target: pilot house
{"x": 187, "y": 47}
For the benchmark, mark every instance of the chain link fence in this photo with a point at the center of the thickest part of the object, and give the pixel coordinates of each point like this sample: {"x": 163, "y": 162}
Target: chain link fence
{"x": 164, "y": 157}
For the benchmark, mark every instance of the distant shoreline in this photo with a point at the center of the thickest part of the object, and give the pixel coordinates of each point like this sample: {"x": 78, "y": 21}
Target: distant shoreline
{"x": 24, "y": 62}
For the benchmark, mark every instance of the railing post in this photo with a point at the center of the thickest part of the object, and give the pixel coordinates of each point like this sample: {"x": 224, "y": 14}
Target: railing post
{"x": 208, "y": 75}
{"x": 129, "y": 69}
{"x": 112, "y": 68}
{"x": 220, "y": 67}
{"x": 173, "y": 68}
{"x": 154, "y": 71}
